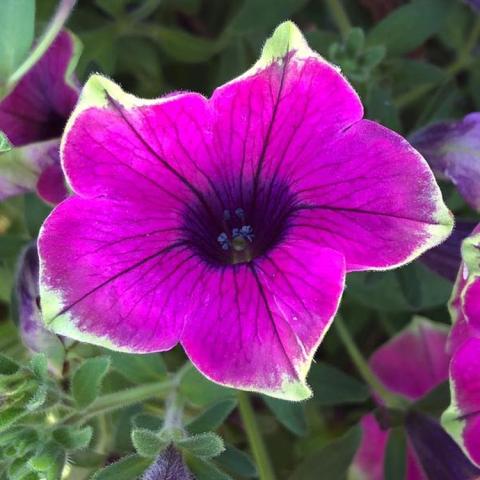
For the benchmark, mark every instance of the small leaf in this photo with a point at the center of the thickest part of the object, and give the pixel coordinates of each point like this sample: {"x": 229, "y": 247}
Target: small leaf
{"x": 10, "y": 416}
{"x": 396, "y": 455}
{"x": 87, "y": 380}
{"x": 8, "y": 366}
{"x": 290, "y": 415}
{"x": 146, "y": 443}
{"x": 38, "y": 398}
{"x": 127, "y": 468}
{"x": 39, "y": 366}
{"x": 212, "y": 418}
{"x": 237, "y": 462}
{"x": 332, "y": 461}
{"x": 333, "y": 387}
{"x": 204, "y": 470}
{"x": 72, "y": 438}
{"x": 49, "y": 459}
{"x": 206, "y": 445}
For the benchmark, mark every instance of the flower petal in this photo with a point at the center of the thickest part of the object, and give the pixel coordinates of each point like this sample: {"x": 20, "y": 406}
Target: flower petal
{"x": 462, "y": 418}
{"x": 21, "y": 168}
{"x": 373, "y": 197}
{"x": 116, "y": 274}
{"x": 425, "y": 342}
{"x": 38, "y": 106}
{"x": 257, "y": 326}
{"x": 452, "y": 150}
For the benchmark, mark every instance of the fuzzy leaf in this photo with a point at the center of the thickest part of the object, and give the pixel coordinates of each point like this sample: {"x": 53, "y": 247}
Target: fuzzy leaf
{"x": 39, "y": 366}
{"x": 127, "y": 468}
{"x": 8, "y": 366}
{"x": 87, "y": 380}
{"x": 72, "y": 438}
{"x": 146, "y": 443}
{"x": 206, "y": 445}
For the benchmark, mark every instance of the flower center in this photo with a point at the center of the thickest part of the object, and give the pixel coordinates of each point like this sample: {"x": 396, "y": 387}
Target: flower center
{"x": 230, "y": 229}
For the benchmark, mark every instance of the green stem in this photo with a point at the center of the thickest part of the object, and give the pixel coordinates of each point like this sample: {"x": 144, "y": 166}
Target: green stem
{"x": 339, "y": 16}
{"x": 125, "y": 398}
{"x": 464, "y": 59}
{"x": 388, "y": 398}
{"x": 255, "y": 439}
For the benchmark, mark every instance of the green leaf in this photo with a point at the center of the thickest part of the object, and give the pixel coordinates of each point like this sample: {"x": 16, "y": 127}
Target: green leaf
{"x": 320, "y": 40}
{"x": 9, "y": 416}
{"x": 8, "y": 366}
{"x": 139, "y": 368}
{"x": 183, "y": 46}
{"x": 87, "y": 380}
{"x": 395, "y": 461}
{"x": 436, "y": 401}
{"x": 291, "y": 415}
{"x": 254, "y": 15}
{"x": 72, "y": 438}
{"x": 205, "y": 445}
{"x": 409, "y": 26}
{"x": 146, "y": 443}
{"x": 381, "y": 107}
{"x": 39, "y": 366}
{"x": 333, "y": 460}
{"x": 127, "y": 468}
{"x": 50, "y": 460}
{"x": 204, "y": 470}
{"x": 146, "y": 421}
{"x": 5, "y": 145}
{"x": 201, "y": 391}
{"x": 38, "y": 398}
{"x": 17, "y": 29}
{"x": 333, "y": 387}
{"x": 212, "y": 418}
{"x": 237, "y": 462}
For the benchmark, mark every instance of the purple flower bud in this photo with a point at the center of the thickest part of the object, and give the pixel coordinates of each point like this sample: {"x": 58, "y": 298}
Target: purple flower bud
{"x": 169, "y": 465}
{"x": 452, "y": 149}
{"x": 34, "y": 335}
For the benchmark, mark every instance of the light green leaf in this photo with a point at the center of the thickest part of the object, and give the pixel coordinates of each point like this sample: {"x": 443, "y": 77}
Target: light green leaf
{"x": 72, "y": 438}
{"x": 146, "y": 443}
{"x": 87, "y": 380}
{"x": 205, "y": 445}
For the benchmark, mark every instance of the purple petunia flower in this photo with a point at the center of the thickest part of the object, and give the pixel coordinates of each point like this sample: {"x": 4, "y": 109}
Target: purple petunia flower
{"x": 475, "y": 4}
{"x": 228, "y": 224}
{"x": 452, "y": 150}
{"x": 33, "y": 116}
{"x": 462, "y": 419}
{"x": 424, "y": 341}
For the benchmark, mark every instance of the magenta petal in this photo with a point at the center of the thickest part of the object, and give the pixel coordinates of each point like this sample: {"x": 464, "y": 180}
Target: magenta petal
{"x": 51, "y": 184}
{"x": 116, "y": 276}
{"x": 373, "y": 197}
{"x": 40, "y": 103}
{"x": 425, "y": 342}
{"x": 462, "y": 419}
{"x": 278, "y": 308}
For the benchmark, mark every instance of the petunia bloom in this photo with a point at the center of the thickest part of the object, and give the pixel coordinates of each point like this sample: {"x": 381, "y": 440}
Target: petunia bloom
{"x": 462, "y": 419}
{"x": 452, "y": 149}
{"x": 227, "y": 224}
{"x": 411, "y": 364}
{"x": 33, "y": 116}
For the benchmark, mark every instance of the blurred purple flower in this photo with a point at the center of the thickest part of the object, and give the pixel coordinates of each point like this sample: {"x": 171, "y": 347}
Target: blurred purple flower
{"x": 474, "y": 3}
{"x": 228, "y": 224}
{"x": 410, "y": 364}
{"x": 27, "y": 302}
{"x": 453, "y": 151}
{"x": 33, "y": 116}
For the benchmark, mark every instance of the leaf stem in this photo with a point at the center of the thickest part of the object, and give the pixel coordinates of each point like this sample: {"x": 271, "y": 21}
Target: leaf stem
{"x": 339, "y": 16}
{"x": 122, "y": 399}
{"x": 388, "y": 398}
{"x": 255, "y": 439}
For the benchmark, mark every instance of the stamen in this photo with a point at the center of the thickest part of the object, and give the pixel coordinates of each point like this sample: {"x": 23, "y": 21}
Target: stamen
{"x": 223, "y": 240}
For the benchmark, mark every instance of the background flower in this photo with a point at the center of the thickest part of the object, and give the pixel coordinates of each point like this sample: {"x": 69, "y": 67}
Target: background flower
{"x": 33, "y": 116}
